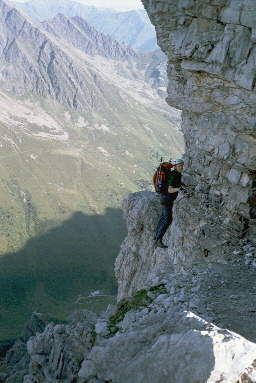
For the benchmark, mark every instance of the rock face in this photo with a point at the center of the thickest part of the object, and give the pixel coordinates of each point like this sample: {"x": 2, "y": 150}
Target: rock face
{"x": 138, "y": 262}
{"x": 17, "y": 357}
{"x": 56, "y": 354}
{"x": 216, "y": 290}
{"x": 211, "y": 68}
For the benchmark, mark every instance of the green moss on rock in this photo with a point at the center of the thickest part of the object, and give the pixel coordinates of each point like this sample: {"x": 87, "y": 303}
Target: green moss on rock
{"x": 139, "y": 300}
{"x": 159, "y": 289}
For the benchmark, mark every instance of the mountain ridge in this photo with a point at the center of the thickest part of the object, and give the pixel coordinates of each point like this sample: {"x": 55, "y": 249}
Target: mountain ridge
{"x": 89, "y": 39}
{"x": 42, "y": 63}
{"x": 118, "y": 25}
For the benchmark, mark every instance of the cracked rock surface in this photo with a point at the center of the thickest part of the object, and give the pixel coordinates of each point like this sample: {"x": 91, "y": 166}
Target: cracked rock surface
{"x": 212, "y": 70}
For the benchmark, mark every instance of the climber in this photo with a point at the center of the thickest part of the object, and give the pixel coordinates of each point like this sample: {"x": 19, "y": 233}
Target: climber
{"x": 174, "y": 185}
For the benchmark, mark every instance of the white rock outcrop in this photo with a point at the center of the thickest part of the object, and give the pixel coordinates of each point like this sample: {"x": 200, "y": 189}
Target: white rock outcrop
{"x": 153, "y": 336}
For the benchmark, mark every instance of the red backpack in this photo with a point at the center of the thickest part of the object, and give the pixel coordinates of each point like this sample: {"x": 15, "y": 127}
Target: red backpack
{"x": 161, "y": 176}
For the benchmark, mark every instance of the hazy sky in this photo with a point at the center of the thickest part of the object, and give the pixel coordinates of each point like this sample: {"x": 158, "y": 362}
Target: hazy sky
{"x": 116, "y": 4}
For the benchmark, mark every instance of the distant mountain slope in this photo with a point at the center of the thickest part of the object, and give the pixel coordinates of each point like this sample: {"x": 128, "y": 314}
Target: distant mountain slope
{"x": 49, "y": 65}
{"x": 32, "y": 61}
{"x": 76, "y": 31}
{"x": 133, "y": 27}
{"x": 83, "y": 36}
{"x": 82, "y": 123}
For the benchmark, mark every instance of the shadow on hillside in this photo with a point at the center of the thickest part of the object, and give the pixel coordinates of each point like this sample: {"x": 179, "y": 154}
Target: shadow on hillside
{"x": 72, "y": 259}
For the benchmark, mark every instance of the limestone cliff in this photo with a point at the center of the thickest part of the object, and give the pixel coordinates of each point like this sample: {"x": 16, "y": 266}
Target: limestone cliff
{"x": 210, "y": 47}
{"x": 211, "y": 68}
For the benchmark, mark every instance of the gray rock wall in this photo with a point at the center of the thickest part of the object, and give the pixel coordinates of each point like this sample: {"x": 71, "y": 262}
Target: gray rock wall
{"x": 212, "y": 70}
{"x": 139, "y": 264}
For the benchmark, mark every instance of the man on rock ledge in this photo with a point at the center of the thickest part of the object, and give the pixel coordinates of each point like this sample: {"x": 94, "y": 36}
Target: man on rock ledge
{"x": 174, "y": 185}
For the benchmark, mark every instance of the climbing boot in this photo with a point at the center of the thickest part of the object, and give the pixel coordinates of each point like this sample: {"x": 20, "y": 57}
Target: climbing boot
{"x": 159, "y": 243}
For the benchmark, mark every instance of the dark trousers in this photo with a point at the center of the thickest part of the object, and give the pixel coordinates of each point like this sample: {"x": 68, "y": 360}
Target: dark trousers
{"x": 164, "y": 222}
